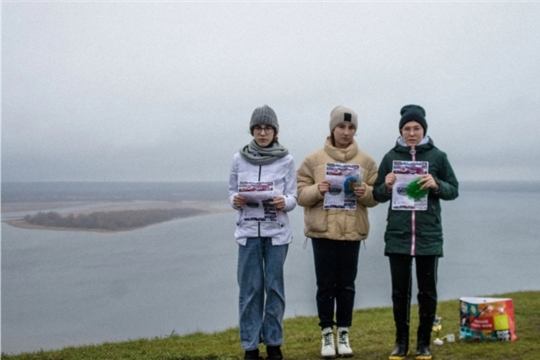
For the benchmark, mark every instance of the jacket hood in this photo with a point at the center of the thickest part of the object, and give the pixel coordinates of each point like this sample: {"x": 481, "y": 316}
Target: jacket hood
{"x": 426, "y": 144}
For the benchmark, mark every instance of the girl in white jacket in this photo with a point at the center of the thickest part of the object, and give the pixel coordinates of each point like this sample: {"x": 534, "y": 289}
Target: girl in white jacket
{"x": 262, "y": 187}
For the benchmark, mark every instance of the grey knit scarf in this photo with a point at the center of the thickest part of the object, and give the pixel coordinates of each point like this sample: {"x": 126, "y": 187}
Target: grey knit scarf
{"x": 257, "y": 155}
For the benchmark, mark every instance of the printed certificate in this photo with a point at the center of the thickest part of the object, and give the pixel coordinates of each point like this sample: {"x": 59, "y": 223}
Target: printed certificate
{"x": 259, "y": 195}
{"x": 406, "y": 172}
{"x": 343, "y": 178}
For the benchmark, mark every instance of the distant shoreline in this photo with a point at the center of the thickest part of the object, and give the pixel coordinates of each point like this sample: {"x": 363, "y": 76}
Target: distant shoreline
{"x": 200, "y": 208}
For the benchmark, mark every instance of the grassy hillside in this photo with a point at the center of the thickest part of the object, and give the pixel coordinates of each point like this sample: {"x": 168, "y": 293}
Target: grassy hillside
{"x": 372, "y": 337}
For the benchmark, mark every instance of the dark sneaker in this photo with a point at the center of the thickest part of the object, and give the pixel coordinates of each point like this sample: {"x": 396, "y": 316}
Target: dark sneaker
{"x": 273, "y": 353}
{"x": 423, "y": 353}
{"x": 399, "y": 353}
{"x": 252, "y": 355}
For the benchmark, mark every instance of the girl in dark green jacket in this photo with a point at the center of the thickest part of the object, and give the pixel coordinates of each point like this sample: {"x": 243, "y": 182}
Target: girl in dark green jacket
{"x": 415, "y": 234}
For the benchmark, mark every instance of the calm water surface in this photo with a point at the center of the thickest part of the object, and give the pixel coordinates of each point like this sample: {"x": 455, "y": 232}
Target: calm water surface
{"x": 66, "y": 288}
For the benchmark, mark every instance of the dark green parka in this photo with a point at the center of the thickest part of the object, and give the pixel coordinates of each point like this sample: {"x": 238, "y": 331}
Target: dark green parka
{"x": 428, "y": 236}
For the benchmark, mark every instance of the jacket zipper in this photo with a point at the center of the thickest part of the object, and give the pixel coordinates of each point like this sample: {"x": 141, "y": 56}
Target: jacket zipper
{"x": 259, "y": 224}
{"x": 413, "y": 215}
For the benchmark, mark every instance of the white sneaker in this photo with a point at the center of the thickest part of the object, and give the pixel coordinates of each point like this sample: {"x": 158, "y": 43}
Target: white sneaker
{"x": 328, "y": 350}
{"x": 343, "y": 348}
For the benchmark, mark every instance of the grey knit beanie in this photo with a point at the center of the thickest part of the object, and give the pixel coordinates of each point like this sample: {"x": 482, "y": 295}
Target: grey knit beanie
{"x": 263, "y": 115}
{"x": 413, "y": 113}
{"x": 341, "y": 114}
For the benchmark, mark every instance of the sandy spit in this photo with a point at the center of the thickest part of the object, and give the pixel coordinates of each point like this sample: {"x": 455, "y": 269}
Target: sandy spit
{"x": 208, "y": 207}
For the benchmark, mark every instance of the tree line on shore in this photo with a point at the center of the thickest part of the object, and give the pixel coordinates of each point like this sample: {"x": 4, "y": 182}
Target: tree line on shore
{"x": 113, "y": 220}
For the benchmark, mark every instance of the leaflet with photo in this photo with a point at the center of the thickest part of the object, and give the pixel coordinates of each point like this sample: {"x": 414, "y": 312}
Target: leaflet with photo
{"x": 259, "y": 195}
{"x": 406, "y": 174}
{"x": 343, "y": 179}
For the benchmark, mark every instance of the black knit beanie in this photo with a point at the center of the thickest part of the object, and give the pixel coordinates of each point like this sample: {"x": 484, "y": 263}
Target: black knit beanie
{"x": 413, "y": 113}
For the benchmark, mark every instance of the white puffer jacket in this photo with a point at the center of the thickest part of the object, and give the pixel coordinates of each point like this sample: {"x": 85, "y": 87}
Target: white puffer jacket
{"x": 283, "y": 173}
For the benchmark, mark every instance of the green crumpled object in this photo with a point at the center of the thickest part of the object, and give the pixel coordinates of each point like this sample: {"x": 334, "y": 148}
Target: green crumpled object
{"x": 414, "y": 190}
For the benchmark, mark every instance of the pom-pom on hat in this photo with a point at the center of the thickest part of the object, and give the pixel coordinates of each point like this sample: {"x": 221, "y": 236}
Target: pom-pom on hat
{"x": 263, "y": 115}
{"x": 341, "y": 114}
{"x": 413, "y": 113}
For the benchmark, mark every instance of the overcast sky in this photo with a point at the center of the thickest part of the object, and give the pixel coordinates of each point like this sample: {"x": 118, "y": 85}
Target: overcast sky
{"x": 164, "y": 91}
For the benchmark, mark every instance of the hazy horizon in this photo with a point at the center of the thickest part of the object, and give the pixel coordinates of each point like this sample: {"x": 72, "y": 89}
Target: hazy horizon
{"x": 164, "y": 91}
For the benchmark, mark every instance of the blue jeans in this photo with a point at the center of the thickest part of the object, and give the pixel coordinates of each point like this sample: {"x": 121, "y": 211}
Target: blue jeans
{"x": 260, "y": 272}
{"x": 336, "y": 265}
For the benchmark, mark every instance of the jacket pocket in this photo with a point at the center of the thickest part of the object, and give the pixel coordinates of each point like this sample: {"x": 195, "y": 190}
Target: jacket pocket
{"x": 430, "y": 234}
{"x": 362, "y": 223}
{"x": 283, "y": 219}
{"x": 396, "y": 233}
{"x": 239, "y": 218}
{"x": 316, "y": 219}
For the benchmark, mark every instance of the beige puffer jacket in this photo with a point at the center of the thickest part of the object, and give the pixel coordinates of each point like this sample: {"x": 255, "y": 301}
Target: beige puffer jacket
{"x": 335, "y": 224}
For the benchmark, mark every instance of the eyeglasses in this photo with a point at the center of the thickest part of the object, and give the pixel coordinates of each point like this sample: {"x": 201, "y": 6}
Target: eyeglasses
{"x": 260, "y": 129}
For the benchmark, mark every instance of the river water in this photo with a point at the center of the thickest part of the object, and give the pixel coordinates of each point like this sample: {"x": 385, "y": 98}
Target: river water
{"x": 68, "y": 288}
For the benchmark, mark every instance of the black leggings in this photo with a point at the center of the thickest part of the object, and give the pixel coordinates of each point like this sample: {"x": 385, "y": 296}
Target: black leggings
{"x": 426, "y": 276}
{"x": 336, "y": 264}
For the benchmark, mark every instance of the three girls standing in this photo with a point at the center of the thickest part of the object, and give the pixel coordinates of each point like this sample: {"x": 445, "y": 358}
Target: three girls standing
{"x": 336, "y": 232}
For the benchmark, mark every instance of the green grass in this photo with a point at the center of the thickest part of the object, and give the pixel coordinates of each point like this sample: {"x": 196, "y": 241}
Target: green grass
{"x": 372, "y": 337}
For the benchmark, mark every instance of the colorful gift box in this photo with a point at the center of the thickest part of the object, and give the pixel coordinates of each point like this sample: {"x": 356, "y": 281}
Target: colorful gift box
{"x": 487, "y": 319}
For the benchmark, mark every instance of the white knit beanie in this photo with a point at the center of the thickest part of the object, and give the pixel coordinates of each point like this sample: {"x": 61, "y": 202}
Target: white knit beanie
{"x": 341, "y": 114}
